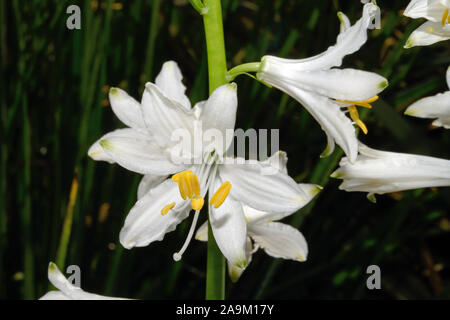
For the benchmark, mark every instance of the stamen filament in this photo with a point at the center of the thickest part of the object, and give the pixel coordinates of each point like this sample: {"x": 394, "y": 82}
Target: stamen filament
{"x": 178, "y": 255}
{"x": 221, "y": 194}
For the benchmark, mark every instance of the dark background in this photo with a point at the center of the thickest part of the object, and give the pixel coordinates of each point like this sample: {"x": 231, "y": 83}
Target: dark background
{"x": 53, "y": 100}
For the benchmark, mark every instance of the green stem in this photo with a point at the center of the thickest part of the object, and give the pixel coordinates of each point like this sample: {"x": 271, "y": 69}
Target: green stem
{"x": 243, "y": 69}
{"x": 217, "y": 69}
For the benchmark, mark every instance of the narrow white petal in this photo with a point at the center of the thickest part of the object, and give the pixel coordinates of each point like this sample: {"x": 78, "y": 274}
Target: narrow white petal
{"x": 126, "y": 108}
{"x": 218, "y": 117}
{"x": 137, "y": 152}
{"x": 279, "y": 240}
{"x": 54, "y": 295}
{"x": 278, "y": 160}
{"x": 229, "y": 229}
{"x": 202, "y": 232}
{"x": 254, "y": 216}
{"x": 166, "y": 119}
{"x": 343, "y": 84}
{"x": 73, "y": 293}
{"x": 348, "y": 42}
{"x": 148, "y": 182}
{"x": 332, "y": 119}
{"x": 427, "y": 34}
{"x": 169, "y": 80}
{"x": 448, "y": 77}
{"x": 235, "y": 272}
{"x": 97, "y": 152}
{"x": 345, "y": 22}
{"x": 437, "y": 106}
{"x": 382, "y": 172}
{"x": 260, "y": 187}
{"x": 429, "y": 9}
{"x": 145, "y": 223}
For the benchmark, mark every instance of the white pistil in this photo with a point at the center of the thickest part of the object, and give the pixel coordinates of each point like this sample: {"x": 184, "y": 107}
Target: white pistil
{"x": 178, "y": 255}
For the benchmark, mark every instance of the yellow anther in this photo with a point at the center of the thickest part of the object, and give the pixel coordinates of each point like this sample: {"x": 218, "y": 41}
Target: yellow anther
{"x": 355, "y": 117}
{"x": 167, "y": 208}
{"x": 221, "y": 194}
{"x": 197, "y": 203}
{"x": 445, "y": 17}
{"x": 176, "y": 177}
{"x": 187, "y": 183}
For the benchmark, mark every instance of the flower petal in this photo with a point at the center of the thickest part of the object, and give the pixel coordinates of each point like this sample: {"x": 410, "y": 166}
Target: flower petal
{"x": 382, "y": 172}
{"x": 72, "y": 292}
{"x": 428, "y": 34}
{"x": 149, "y": 181}
{"x": 202, "y": 232}
{"x": 260, "y": 187}
{"x": 343, "y": 84}
{"x": 126, "y": 108}
{"x": 169, "y": 80}
{"x": 332, "y": 120}
{"x": 348, "y": 42}
{"x": 279, "y": 240}
{"x": 54, "y": 295}
{"x": 218, "y": 118}
{"x": 235, "y": 272}
{"x": 254, "y": 216}
{"x": 166, "y": 119}
{"x": 145, "y": 223}
{"x": 229, "y": 229}
{"x": 437, "y": 106}
{"x": 137, "y": 152}
{"x": 448, "y": 77}
{"x": 429, "y": 9}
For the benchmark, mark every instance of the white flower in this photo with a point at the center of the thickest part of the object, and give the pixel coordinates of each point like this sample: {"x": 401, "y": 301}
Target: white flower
{"x": 379, "y": 172}
{"x": 436, "y": 29}
{"x": 66, "y": 290}
{"x": 148, "y": 148}
{"x": 324, "y": 90}
{"x": 278, "y": 240}
{"x": 437, "y": 106}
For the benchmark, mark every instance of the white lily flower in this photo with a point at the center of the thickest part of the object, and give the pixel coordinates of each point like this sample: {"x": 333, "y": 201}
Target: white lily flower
{"x": 437, "y": 106}
{"x": 436, "y": 29}
{"x": 278, "y": 240}
{"x": 148, "y": 148}
{"x": 379, "y": 172}
{"x": 66, "y": 290}
{"x": 324, "y": 90}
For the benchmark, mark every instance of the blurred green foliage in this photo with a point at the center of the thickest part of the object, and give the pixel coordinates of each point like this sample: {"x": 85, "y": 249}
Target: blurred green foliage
{"x": 53, "y": 100}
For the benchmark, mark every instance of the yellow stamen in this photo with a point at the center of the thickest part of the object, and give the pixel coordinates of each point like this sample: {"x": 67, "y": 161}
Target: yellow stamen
{"x": 197, "y": 203}
{"x": 167, "y": 208}
{"x": 354, "y": 112}
{"x": 445, "y": 16}
{"x": 364, "y": 103}
{"x": 355, "y": 117}
{"x": 176, "y": 177}
{"x": 221, "y": 194}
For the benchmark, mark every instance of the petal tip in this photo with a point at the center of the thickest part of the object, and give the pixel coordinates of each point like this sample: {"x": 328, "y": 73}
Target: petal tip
{"x": 106, "y": 144}
{"x": 337, "y": 174}
{"x": 113, "y": 91}
{"x": 383, "y": 84}
{"x": 52, "y": 267}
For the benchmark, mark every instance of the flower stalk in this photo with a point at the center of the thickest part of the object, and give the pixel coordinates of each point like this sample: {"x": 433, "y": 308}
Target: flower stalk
{"x": 217, "y": 70}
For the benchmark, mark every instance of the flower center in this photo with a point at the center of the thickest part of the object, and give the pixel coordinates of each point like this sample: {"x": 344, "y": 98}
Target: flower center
{"x": 354, "y": 112}
{"x": 445, "y": 17}
{"x": 189, "y": 188}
